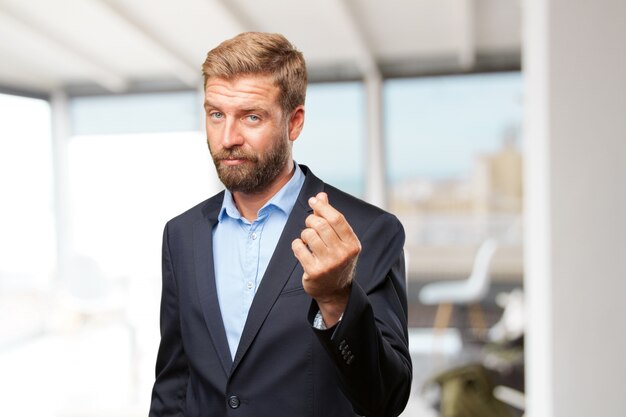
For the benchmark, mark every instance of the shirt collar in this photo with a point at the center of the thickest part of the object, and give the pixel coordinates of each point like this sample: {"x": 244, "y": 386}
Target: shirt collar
{"x": 283, "y": 200}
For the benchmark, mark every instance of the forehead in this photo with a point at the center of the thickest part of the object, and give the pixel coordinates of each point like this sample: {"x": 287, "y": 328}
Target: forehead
{"x": 244, "y": 90}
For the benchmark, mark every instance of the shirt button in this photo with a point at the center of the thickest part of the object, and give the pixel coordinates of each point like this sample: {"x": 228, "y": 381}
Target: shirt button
{"x": 233, "y": 401}
{"x": 249, "y": 285}
{"x": 253, "y": 236}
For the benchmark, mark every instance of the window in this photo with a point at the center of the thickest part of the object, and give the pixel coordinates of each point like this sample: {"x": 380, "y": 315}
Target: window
{"x": 333, "y": 140}
{"x": 27, "y": 244}
{"x": 455, "y": 169}
{"x": 26, "y": 187}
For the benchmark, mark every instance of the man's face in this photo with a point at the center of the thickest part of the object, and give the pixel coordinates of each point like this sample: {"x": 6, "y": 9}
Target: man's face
{"x": 249, "y": 139}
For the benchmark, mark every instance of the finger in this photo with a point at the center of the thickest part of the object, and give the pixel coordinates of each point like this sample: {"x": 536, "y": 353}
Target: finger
{"x": 323, "y": 197}
{"x": 302, "y": 253}
{"x": 335, "y": 219}
{"x": 324, "y": 230}
{"x": 315, "y": 243}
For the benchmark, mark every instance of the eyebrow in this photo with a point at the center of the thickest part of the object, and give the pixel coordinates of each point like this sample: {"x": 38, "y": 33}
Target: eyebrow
{"x": 255, "y": 110}
{"x": 208, "y": 104}
{"x": 260, "y": 110}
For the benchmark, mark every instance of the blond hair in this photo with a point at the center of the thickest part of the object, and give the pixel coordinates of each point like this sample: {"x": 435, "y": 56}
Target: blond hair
{"x": 261, "y": 53}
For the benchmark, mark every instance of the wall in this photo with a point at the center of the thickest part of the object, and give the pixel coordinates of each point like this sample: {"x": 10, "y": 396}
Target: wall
{"x": 575, "y": 69}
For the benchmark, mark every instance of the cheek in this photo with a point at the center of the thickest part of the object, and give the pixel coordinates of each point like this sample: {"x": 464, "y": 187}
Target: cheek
{"x": 212, "y": 136}
{"x": 264, "y": 139}
{"x": 214, "y": 146}
{"x": 253, "y": 138}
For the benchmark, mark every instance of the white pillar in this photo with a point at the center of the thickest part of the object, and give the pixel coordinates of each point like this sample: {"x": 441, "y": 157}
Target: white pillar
{"x": 375, "y": 185}
{"x": 575, "y": 175}
{"x": 60, "y": 122}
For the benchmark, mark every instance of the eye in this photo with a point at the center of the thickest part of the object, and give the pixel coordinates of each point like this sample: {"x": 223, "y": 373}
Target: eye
{"x": 216, "y": 115}
{"x": 253, "y": 118}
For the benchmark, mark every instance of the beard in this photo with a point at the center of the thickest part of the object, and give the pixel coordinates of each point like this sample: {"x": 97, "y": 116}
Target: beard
{"x": 257, "y": 173}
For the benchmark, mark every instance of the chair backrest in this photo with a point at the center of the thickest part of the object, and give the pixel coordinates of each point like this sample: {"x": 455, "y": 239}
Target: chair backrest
{"x": 480, "y": 279}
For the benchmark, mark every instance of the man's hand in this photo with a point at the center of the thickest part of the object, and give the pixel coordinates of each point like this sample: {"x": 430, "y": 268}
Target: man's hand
{"x": 328, "y": 250}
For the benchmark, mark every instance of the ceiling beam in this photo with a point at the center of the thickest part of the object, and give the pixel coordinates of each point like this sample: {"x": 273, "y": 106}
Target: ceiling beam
{"x": 14, "y": 90}
{"x": 366, "y": 61}
{"x": 98, "y": 71}
{"x": 467, "y": 32}
{"x": 22, "y": 69}
{"x": 185, "y": 70}
{"x": 241, "y": 18}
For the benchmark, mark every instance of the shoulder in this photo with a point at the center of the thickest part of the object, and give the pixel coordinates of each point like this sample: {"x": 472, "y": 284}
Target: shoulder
{"x": 341, "y": 199}
{"x": 203, "y": 211}
{"x": 360, "y": 214}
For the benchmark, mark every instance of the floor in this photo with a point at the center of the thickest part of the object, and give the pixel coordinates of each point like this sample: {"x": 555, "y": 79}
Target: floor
{"x": 77, "y": 374}
{"x": 92, "y": 369}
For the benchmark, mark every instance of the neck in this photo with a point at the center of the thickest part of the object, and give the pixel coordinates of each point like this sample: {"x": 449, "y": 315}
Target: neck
{"x": 249, "y": 204}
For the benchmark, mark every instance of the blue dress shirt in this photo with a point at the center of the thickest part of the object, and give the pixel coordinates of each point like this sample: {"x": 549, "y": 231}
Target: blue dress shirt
{"x": 242, "y": 251}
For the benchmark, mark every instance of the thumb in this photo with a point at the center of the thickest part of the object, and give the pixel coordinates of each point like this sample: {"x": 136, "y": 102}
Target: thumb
{"x": 323, "y": 197}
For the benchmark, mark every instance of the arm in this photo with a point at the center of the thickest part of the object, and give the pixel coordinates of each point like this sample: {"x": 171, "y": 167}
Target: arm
{"x": 369, "y": 345}
{"x": 169, "y": 391}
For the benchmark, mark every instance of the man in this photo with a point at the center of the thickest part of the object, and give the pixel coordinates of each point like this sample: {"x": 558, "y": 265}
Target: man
{"x": 282, "y": 296}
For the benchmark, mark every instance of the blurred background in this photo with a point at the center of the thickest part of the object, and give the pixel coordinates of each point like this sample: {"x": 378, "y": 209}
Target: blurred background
{"x": 494, "y": 129}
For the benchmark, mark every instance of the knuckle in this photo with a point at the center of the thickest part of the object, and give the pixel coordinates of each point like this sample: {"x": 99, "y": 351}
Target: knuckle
{"x": 335, "y": 218}
{"x": 350, "y": 252}
{"x": 307, "y": 234}
{"x": 323, "y": 225}
{"x": 310, "y": 220}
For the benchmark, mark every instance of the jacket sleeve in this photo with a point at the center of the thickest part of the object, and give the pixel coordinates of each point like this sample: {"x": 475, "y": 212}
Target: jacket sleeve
{"x": 170, "y": 387}
{"x": 369, "y": 347}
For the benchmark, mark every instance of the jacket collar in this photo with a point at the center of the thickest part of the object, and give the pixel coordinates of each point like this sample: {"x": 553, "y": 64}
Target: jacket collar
{"x": 279, "y": 269}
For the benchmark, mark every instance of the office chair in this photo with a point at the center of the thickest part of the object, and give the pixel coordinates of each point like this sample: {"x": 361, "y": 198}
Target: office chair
{"x": 468, "y": 292}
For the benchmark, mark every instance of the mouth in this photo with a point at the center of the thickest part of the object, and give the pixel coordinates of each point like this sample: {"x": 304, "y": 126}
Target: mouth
{"x": 233, "y": 161}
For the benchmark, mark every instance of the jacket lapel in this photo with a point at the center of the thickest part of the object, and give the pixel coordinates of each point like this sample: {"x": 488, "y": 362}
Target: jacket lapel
{"x": 280, "y": 268}
{"x": 205, "y": 280}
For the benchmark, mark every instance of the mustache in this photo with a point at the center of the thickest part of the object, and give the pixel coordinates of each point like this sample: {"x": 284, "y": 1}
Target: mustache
{"x": 235, "y": 153}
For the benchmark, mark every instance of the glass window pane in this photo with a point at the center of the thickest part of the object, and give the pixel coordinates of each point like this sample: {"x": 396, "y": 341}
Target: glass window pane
{"x": 455, "y": 171}
{"x": 136, "y": 113}
{"x": 436, "y": 126}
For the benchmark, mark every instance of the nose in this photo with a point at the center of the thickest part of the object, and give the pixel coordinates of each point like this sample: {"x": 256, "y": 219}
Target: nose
{"x": 231, "y": 136}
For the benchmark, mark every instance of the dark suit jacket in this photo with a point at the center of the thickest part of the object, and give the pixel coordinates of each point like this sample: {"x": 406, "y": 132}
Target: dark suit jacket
{"x": 283, "y": 366}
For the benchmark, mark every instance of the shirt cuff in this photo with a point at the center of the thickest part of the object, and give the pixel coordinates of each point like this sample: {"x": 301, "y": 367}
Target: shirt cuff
{"x": 318, "y": 321}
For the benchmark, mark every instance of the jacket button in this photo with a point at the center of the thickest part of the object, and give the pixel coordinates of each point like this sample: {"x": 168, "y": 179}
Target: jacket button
{"x": 233, "y": 401}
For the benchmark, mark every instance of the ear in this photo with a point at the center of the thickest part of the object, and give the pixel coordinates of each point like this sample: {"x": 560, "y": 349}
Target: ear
{"x": 296, "y": 123}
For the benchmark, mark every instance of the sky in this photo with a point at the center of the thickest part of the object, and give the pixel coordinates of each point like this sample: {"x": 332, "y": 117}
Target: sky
{"x": 435, "y": 125}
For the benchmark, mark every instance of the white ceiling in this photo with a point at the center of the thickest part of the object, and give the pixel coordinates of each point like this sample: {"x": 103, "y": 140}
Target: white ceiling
{"x": 124, "y": 45}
